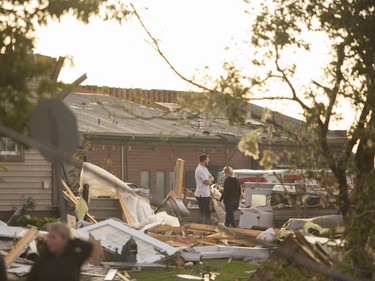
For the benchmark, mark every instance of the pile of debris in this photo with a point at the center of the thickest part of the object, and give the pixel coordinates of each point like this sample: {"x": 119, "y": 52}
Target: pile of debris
{"x": 145, "y": 240}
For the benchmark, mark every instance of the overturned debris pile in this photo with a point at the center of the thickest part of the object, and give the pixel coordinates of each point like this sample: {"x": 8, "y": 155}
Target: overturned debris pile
{"x": 312, "y": 259}
{"x": 194, "y": 234}
{"x": 146, "y": 240}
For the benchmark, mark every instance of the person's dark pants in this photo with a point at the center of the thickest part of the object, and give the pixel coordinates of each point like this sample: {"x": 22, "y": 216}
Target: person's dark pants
{"x": 230, "y": 208}
{"x": 204, "y": 209}
{"x": 3, "y": 272}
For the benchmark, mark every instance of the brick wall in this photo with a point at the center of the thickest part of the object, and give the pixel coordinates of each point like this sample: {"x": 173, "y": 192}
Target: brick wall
{"x": 127, "y": 161}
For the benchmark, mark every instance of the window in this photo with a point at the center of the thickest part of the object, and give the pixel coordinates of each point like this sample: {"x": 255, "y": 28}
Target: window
{"x": 8, "y": 147}
{"x": 10, "y": 150}
{"x": 160, "y": 184}
{"x": 190, "y": 179}
{"x": 171, "y": 180}
{"x": 145, "y": 179}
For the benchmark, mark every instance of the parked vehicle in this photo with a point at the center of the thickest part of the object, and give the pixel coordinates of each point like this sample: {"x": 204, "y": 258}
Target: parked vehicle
{"x": 323, "y": 178}
{"x": 261, "y": 176}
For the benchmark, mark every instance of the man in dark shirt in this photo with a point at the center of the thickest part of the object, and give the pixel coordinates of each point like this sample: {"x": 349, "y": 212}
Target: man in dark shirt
{"x": 231, "y": 196}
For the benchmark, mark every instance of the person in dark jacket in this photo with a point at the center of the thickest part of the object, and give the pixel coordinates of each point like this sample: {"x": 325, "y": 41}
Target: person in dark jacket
{"x": 231, "y": 196}
{"x": 64, "y": 257}
{"x": 3, "y": 272}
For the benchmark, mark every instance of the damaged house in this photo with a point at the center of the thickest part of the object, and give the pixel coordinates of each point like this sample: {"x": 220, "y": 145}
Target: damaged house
{"x": 134, "y": 135}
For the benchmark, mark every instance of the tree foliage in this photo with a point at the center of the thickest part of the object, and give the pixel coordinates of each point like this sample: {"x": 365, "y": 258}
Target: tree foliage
{"x": 18, "y": 22}
{"x": 349, "y": 25}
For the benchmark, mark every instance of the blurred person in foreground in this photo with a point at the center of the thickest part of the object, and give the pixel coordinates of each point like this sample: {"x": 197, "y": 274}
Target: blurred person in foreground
{"x": 231, "y": 196}
{"x": 63, "y": 258}
{"x": 204, "y": 179}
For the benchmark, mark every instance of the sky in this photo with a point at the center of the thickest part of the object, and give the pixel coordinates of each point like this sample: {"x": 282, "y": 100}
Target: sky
{"x": 192, "y": 33}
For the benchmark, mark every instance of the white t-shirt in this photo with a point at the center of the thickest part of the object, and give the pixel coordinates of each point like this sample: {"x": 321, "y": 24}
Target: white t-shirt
{"x": 202, "y": 174}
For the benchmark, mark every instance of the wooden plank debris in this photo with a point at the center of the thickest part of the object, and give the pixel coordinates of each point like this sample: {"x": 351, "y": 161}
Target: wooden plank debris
{"x": 111, "y": 274}
{"x": 16, "y": 213}
{"x": 67, "y": 90}
{"x": 125, "y": 211}
{"x": 20, "y": 246}
{"x": 165, "y": 228}
{"x": 126, "y": 265}
{"x": 124, "y": 277}
{"x": 178, "y": 177}
{"x": 68, "y": 190}
{"x": 180, "y": 241}
{"x": 299, "y": 251}
{"x": 203, "y": 227}
{"x": 195, "y": 234}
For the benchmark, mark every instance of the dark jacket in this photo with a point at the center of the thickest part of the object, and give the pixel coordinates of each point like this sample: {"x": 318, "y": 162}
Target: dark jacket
{"x": 3, "y": 272}
{"x": 232, "y": 190}
{"x": 65, "y": 267}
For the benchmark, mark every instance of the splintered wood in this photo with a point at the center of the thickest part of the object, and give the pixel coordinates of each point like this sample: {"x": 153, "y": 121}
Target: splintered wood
{"x": 179, "y": 175}
{"x": 202, "y": 234}
{"x": 69, "y": 195}
{"x": 125, "y": 211}
{"x": 20, "y": 246}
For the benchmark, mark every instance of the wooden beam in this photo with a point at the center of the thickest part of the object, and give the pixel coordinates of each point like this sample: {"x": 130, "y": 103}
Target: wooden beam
{"x": 203, "y": 227}
{"x": 68, "y": 190}
{"x": 125, "y": 211}
{"x": 111, "y": 274}
{"x": 179, "y": 176}
{"x": 69, "y": 195}
{"x": 56, "y": 72}
{"x": 186, "y": 240}
{"x": 125, "y": 265}
{"x": 20, "y": 246}
{"x": 196, "y": 240}
{"x": 67, "y": 90}
{"x": 165, "y": 228}
{"x": 16, "y": 213}
{"x": 71, "y": 200}
{"x": 122, "y": 276}
{"x": 196, "y": 227}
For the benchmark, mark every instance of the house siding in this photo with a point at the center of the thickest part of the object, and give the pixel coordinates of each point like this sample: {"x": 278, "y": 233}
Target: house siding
{"x": 25, "y": 179}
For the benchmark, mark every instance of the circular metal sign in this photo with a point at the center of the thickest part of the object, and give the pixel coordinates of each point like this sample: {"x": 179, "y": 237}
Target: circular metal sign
{"x": 53, "y": 123}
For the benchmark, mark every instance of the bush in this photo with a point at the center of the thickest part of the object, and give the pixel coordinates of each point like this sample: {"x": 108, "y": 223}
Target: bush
{"x": 39, "y": 223}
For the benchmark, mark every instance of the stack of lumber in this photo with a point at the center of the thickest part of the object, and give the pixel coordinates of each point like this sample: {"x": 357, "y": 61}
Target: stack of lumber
{"x": 194, "y": 234}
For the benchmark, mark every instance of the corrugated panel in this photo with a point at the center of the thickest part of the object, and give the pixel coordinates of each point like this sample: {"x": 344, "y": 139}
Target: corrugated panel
{"x": 25, "y": 179}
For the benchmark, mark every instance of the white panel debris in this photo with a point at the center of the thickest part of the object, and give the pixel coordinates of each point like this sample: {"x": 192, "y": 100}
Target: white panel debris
{"x": 114, "y": 234}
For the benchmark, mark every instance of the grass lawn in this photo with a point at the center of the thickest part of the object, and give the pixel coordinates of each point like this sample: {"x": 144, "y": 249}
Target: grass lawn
{"x": 229, "y": 271}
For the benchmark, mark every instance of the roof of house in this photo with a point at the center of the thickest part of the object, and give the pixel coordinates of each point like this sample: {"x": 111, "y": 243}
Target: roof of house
{"x": 104, "y": 115}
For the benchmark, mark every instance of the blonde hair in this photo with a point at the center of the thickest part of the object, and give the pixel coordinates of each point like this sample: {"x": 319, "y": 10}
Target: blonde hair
{"x": 228, "y": 170}
{"x": 61, "y": 229}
